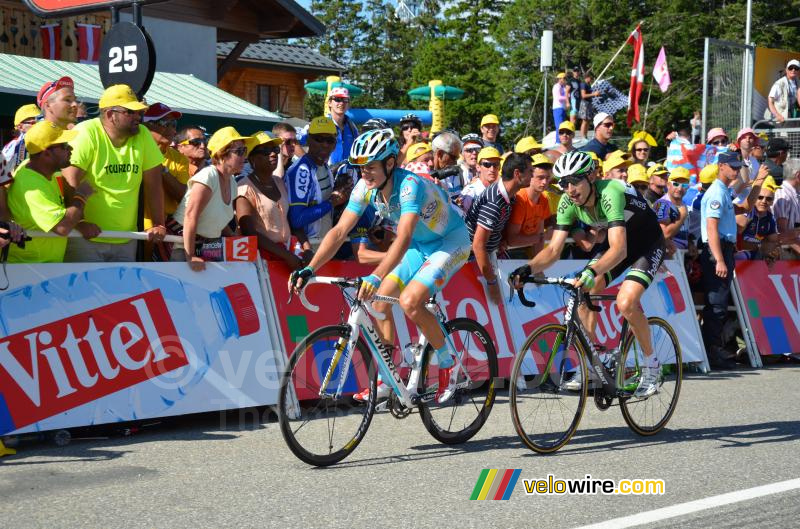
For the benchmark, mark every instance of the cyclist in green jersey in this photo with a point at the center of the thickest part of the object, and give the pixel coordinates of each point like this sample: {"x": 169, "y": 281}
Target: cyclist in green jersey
{"x": 635, "y": 239}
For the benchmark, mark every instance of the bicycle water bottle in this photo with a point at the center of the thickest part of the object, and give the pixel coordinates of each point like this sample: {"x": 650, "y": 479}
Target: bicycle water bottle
{"x": 134, "y": 343}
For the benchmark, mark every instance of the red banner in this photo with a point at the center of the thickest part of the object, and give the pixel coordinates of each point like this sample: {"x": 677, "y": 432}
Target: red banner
{"x": 772, "y": 304}
{"x": 464, "y": 296}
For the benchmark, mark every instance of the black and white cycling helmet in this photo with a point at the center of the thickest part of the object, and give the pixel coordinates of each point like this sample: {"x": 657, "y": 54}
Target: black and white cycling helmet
{"x": 573, "y": 164}
{"x": 373, "y": 145}
{"x": 411, "y": 118}
{"x": 375, "y": 123}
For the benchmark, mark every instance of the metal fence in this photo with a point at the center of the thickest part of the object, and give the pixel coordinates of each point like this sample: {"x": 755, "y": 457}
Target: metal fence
{"x": 727, "y": 85}
{"x": 789, "y": 130}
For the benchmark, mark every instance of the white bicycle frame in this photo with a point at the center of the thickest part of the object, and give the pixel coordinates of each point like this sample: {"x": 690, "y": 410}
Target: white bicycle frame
{"x": 358, "y": 321}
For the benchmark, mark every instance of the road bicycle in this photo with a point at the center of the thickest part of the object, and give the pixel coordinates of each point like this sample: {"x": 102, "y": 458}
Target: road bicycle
{"x": 546, "y": 411}
{"x": 322, "y": 423}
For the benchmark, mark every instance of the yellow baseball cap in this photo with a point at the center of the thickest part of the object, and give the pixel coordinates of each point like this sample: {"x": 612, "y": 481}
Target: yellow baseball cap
{"x": 265, "y": 138}
{"x": 560, "y": 75}
{"x": 657, "y": 169}
{"x": 540, "y": 160}
{"x": 680, "y": 173}
{"x": 771, "y": 184}
{"x": 26, "y": 112}
{"x": 489, "y": 119}
{"x": 322, "y": 125}
{"x": 417, "y": 150}
{"x": 642, "y": 136}
{"x": 709, "y": 173}
{"x": 567, "y": 125}
{"x": 44, "y": 135}
{"x": 617, "y": 159}
{"x": 120, "y": 95}
{"x": 597, "y": 161}
{"x": 488, "y": 152}
{"x": 637, "y": 173}
{"x": 225, "y": 136}
{"x": 527, "y": 143}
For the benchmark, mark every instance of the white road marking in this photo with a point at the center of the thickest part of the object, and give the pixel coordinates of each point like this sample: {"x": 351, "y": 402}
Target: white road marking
{"x": 683, "y": 509}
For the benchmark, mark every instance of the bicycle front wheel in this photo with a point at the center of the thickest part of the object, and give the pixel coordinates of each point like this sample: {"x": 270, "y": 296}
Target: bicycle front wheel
{"x": 460, "y": 418}
{"x": 648, "y": 416}
{"x": 320, "y": 427}
{"x": 547, "y": 399}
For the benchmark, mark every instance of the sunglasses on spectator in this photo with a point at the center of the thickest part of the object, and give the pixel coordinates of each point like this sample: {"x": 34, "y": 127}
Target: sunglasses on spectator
{"x": 266, "y": 151}
{"x": 473, "y": 150}
{"x": 608, "y": 124}
{"x": 566, "y": 132}
{"x": 238, "y": 151}
{"x": 793, "y": 68}
{"x": 409, "y": 127}
{"x": 645, "y": 149}
{"x": 330, "y": 140}
{"x": 126, "y": 111}
{"x": 490, "y": 164}
{"x": 684, "y": 185}
{"x": 340, "y": 100}
{"x": 167, "y": 123}
{"x": 768, "y": 199}
{"x": 194, "y": 142}
{"x": 720, "y": 143}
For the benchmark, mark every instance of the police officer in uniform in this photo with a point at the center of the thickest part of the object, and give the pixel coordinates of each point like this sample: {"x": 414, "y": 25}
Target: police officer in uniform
{"x": 718, "y": 234}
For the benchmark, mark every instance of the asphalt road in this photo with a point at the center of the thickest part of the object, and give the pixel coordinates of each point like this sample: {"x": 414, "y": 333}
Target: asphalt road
{"x": 732, "y": 431}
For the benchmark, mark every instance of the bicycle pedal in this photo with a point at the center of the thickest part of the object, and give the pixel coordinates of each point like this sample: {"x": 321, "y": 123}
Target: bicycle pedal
{"x": 382, "y": 406}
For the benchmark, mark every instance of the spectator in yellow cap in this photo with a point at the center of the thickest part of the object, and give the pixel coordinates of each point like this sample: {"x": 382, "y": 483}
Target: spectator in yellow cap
{"x": 207, "y": 207}
{"x": 14, "y": 151}
{"x": 35, "y": 198}
{"x": 706, "y": 177}
{"x": 637, "y": 178}
{"x": 531, "y": 210}
{"x": 488, "y": 170}
{"x": 421, "y": 152}
{"x": 528, "y": 145}
{"x": 672, "y": 213}
{"x": 116, "y": 154}
{"x": 262, "y": 203}
{"x": 490, "y": 132}
{"x": 616, "y": 166}
{"x": 560, "y": 100}
{"x": 566, "y": 133}
{"x": 658, "y": 182}
{"x": 312, "y": 196}
{"x": 639, "y": 147}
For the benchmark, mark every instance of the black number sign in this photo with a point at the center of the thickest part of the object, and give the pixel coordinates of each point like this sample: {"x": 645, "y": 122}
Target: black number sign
{"x": 127, "y": 56}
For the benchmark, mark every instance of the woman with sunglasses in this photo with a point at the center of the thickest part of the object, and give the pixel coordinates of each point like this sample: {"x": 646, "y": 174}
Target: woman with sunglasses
{"x": 410, "y": 133}
{"x": 207, "y": 207}
{"x": 758, "y": 229}
{"x": 262, "y": 203}
{"x": 635, "y": 248}
{"x": 672, "y": 212}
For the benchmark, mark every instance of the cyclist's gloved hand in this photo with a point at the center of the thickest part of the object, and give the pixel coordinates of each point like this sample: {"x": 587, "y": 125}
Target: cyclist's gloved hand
{"x": 523, "y": 272}
{"x": 586, "y": 279}
{"x": 369, "y": 285}
{"x": 299, "y": 278}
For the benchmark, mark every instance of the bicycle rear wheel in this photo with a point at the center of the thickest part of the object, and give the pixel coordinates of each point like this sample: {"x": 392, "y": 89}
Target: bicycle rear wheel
{"x": 460, "y": 418}
{"x": 320, "y": 428}
{"x": 544, "y": 412}
{"x": 648, "y": 416}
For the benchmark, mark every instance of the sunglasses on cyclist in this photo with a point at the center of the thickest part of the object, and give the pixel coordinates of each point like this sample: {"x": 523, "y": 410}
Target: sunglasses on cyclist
{"x": 565, "y": 182}
{"x": 490, "y": 164}
{"x": 194, "y": 142}
{"x": 768, "y": 199}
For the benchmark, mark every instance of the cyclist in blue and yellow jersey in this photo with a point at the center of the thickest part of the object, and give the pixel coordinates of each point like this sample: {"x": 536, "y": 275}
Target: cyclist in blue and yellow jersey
{"x": 431, "y": 244}
{"x": 636, "y": 244}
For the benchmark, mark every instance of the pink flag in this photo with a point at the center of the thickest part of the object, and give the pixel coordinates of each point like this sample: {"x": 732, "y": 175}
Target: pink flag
{"x": 661, "y": 72}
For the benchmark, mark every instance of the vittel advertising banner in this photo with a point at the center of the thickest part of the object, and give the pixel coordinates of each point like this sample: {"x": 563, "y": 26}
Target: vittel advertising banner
{"x": 94, "y": 343}
{"x": 668, "y": 297}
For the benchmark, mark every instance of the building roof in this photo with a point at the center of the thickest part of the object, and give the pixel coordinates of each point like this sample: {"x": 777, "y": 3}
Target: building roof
{"x": 282, "y": 55}
{"x": 25, "y": 75}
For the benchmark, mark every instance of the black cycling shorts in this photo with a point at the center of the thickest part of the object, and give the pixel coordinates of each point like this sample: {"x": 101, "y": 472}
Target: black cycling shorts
{"x": 643, "y": 264}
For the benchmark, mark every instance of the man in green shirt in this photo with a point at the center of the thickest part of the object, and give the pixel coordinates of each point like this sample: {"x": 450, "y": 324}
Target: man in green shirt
{"x": 35, "y": 199}
{"x": 635, "y": 241}
{"x": 116, "y": 155}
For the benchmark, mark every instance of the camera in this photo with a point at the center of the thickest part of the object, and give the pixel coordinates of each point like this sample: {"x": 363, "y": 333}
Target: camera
{"x": 447, "y": 172}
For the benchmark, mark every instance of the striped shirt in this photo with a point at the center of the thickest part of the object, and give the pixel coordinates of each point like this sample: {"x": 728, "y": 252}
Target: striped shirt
{"x": 491, "y": 211}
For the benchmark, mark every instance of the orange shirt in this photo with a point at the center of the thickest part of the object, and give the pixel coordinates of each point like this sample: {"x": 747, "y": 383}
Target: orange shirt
{"x": 529, "y": 214}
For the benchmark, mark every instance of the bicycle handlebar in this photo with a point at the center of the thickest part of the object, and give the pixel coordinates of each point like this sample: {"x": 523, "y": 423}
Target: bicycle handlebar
{"x": 341, "y": 282}
{"x": 560, "y": 281}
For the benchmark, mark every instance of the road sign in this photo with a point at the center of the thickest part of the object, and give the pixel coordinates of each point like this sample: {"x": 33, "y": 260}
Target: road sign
{"x": 127, "y": 56}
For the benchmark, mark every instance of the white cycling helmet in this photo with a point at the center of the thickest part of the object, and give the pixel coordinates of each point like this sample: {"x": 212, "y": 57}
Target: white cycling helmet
{"x": 574, "y": 163}
{"x": 372, "y": 145}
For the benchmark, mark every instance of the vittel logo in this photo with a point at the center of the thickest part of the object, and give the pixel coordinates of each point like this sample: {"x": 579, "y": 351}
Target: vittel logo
{"x": 58, "y": 366}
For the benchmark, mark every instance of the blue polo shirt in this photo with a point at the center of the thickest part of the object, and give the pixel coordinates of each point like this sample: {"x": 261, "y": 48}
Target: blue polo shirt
{"x": 344, "y": 140}
{"x": 717, "y": 203}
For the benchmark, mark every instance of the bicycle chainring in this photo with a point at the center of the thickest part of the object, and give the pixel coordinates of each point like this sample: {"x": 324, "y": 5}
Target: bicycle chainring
{"x": 601, "y": 400}
{"x": 396, "y": 408}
